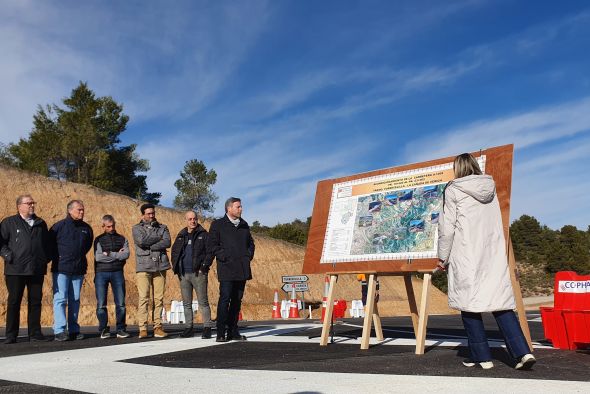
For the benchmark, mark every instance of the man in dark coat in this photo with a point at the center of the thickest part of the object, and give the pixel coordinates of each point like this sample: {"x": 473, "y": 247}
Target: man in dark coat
{"x": 26, "y": 252}
{"x": 191, "y": 263}
{"x": 72, "y": 238}
{"x": 231, "y": 243}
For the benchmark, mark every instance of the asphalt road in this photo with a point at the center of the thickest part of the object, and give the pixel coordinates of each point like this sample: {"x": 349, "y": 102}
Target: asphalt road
{"x": 285, "y": 347}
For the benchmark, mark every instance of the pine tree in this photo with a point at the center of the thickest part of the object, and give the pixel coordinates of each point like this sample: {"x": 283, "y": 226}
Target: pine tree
{"x": 194, "y": 187}
{"x": 79, "y": 142}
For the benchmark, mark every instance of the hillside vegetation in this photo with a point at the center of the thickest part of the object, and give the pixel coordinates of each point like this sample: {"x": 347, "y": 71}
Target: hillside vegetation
{"x": 541, "y": 252}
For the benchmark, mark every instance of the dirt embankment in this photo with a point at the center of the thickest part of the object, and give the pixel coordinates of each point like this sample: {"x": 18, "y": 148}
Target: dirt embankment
{"x": 273, "y": 258}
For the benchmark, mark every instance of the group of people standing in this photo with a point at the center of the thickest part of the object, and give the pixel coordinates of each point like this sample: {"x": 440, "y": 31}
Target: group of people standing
{"x": 27, "y": 247}
{"x": 471, "y": 246}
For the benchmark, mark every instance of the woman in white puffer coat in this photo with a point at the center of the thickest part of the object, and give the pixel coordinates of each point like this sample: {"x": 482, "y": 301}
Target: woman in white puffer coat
{"x": 471, "y": 245}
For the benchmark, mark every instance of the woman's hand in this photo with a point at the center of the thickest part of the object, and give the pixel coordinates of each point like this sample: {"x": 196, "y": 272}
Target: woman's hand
{"x": 440, "y": 267}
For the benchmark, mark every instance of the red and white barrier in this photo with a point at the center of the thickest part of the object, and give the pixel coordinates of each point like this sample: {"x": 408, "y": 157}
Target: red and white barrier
{"x": 294, "y": 310}
{"x": 276, "y": 308}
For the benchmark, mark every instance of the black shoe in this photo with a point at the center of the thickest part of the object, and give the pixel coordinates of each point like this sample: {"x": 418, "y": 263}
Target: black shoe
{"x": 38, "y": 338}
{"x": 10, "y": 340}
{"x": 123, "y": 334}
{"x": 221, "y": 339}
{"x": 206, "y": 333}
{"x": 188, "y": 332}
{"x": 236, "y": 336}
{"x": 105, "y": 333}
{"x": 61, "y": 337}
{"x": 77, "y": 336}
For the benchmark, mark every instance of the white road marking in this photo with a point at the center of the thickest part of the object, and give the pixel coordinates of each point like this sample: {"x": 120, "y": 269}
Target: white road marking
{"x": 98, "y": 370}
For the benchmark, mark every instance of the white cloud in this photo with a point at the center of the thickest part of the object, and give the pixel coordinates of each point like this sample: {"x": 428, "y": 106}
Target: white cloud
{"x": 412, "y": 19}
{"x": 158, "y": 60}
{"x": 293, "y": 202}
{"x": 278, "y": 152}
{"x": 561, "y": 156}
{"x": 523, "y": 130}
{"x": 556, "y": 196}
{"x": 273, "y": 173}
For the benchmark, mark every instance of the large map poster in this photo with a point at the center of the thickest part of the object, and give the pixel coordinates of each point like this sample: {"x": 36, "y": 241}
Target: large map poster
{"x": 387, "y": 217}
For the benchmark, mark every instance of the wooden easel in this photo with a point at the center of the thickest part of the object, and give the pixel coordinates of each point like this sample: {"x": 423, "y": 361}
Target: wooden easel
{"x": 419, "y": 318}
{"x": 498, "y": 164}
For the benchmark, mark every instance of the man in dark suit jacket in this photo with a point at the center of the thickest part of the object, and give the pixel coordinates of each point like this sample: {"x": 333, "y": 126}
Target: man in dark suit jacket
{"x": 26, "y": 252}
{"x": 231, "y": 243}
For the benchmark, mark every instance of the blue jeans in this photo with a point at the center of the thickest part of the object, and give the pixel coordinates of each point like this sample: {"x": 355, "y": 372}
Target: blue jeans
{"x": 101, "y": 284}
{"x": 509, "y": 327}
{"x": 66, "y": 292}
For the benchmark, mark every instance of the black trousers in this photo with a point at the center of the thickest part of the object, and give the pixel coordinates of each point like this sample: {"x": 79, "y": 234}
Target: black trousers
{"x": 228, "y": 307}
{"x": 16, "y": 287}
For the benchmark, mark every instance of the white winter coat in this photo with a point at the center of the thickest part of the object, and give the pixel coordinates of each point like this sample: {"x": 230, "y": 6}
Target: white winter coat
{"x": 471, "y": 241}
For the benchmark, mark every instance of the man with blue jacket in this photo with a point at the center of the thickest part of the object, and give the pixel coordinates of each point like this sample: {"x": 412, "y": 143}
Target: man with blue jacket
{"x": 72, "y": 239}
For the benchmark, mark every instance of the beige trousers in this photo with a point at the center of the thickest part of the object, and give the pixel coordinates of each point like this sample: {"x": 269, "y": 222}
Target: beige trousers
{"x": 148, "y": 284}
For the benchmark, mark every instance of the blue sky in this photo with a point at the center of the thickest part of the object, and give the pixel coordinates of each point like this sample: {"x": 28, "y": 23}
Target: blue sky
{"x": 276, "y": 95}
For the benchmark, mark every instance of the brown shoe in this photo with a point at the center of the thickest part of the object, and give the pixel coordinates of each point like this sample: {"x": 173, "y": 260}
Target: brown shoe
{"x": 160, "y": 333}
{"x": 143, "y": 334}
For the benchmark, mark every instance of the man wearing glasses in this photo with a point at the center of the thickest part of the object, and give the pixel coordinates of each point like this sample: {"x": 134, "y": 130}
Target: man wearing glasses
{"x": 191, "y": 264}
{"x": 151, "y": 240}
{"x": 26, "y": 253}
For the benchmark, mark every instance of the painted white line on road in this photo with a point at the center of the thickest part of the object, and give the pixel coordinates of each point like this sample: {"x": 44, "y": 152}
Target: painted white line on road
{"x": 98, "y": 370}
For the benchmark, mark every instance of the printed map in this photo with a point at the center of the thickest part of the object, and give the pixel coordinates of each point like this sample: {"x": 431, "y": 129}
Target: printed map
{"x": 397, "y": 222}
{"x": 390, "y": 216}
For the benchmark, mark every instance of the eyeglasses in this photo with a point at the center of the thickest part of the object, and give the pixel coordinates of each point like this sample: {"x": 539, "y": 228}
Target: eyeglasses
{"x": 30, "y": 203}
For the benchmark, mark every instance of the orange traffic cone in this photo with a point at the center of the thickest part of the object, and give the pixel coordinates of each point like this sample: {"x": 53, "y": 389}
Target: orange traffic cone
{"x": 276, "y": 308}
{"x": 325, "y": 298}
{"x": 294, "y": 310}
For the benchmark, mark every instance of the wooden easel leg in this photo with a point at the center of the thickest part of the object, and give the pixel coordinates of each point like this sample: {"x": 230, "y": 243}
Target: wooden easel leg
{"x": 329, "y": 312}
{"x": 369, "y": 309}
{"x": 376, "y": 317}
{"x": 524, "y": 324}
{"x": 377, "y": 323}
{"x": 412, "y": 302}
{"x": 423, "y": 318}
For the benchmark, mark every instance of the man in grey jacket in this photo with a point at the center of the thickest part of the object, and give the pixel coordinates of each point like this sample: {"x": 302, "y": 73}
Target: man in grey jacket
{"x": 151, "y": 240}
